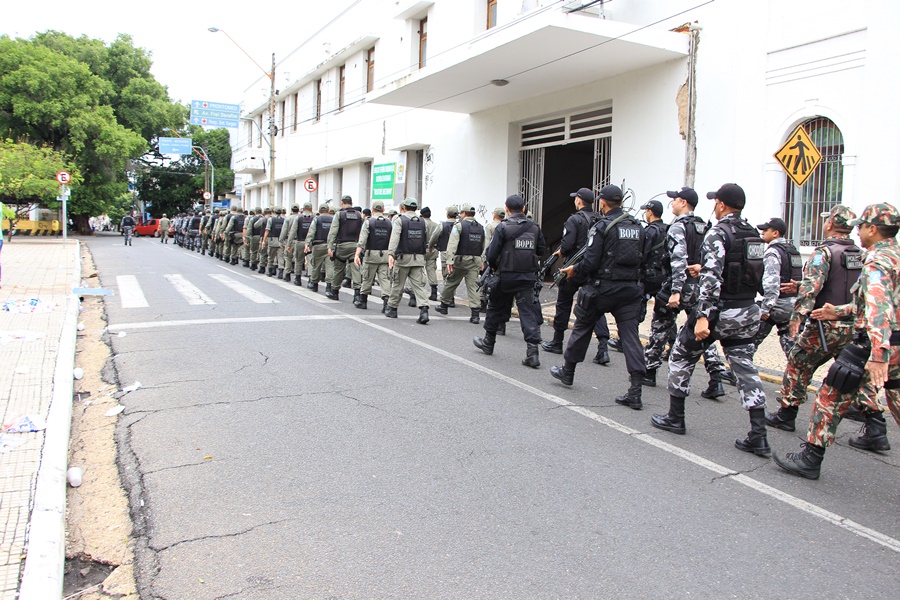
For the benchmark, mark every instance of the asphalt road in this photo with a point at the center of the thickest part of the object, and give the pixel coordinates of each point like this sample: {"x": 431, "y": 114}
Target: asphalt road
{"x": 286, "y": 446}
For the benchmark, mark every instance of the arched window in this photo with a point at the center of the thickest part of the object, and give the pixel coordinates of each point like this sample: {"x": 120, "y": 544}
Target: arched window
{"x": 803, "y": 205}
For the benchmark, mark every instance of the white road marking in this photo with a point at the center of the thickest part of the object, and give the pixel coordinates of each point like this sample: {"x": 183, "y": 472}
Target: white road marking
{"x": 244, "y": 290}
{"x": 222, "y": 321}
{"x": 233, "y": 272}
{"x": 130, "y": 292}
{"x": 191, "y": 293}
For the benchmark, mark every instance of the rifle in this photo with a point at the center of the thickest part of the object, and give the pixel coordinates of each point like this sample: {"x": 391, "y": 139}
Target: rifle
{"x": 559, "y": 276}
{"x": 488, "y": 281}
{"x": 548, "y": 264}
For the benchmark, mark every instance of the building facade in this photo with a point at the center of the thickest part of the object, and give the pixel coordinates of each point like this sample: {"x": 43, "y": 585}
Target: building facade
{"x": 456, "y": 101}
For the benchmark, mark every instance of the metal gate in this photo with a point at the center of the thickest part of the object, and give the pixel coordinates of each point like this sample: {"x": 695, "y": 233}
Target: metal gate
{"x": 531, "y": 180}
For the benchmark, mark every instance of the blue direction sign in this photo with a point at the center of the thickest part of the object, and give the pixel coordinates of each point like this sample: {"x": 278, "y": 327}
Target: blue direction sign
{"x": 215, "y": 114}
{"x": 169, "y": 145}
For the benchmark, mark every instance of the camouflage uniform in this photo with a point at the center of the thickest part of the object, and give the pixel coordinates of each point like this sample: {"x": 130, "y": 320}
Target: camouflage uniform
{"x": 778, "y": 308}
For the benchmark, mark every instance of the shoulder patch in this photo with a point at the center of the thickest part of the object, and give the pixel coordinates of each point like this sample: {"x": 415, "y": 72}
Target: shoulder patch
{"x": 817, "y": 260}
{"x": 874, "y": 277}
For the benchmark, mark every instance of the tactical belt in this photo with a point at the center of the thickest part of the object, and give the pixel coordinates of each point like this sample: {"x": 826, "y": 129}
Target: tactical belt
{"x": 738, "y": 303}
{"x": 895, "y": 338}
{"x": 892, "y": 384}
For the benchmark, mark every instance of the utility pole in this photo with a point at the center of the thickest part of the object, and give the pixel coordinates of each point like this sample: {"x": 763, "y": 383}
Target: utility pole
{"x": 272, "y": 134}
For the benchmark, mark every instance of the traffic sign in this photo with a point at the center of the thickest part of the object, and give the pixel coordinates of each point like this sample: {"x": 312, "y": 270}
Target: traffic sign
{"x": 207, "y": 195}
{"x": 63, "y": 177}
{"x": 310, "y": 185}
{"x": 215, "y": 114}
{"x": 174, "y": 145}
{"x": 799, "y": 156}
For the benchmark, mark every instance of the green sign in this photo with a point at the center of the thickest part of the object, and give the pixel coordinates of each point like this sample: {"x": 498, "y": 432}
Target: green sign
{"x": 383, "y": 181}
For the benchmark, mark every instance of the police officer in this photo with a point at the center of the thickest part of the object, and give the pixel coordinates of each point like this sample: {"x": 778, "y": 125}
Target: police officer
{"x": 574, "y": 238}
{"x": 679, "y": 292}
{"x": 342, "y": 239}
{"x": 209, "y": 246}
{"x": 783, "y": 264}
{"x": 374, "y": 240}
{"x": 234, "y": 235}
{"x": 828, "y": 277}
{"x": 875, "y": 310}
{"x": 297, "y": 240}
{"x": 194, "y": 231}
{"x": 271, "y": 243}
{"x": 441, "y": 237}
{"x": 316, "y": 247}
{"x": 732, "y": 270}
{"x": 654, "y": 274}
{"x": 164, "y": 225}
{"x": 220, "y": 233}
{"x": 431, "y": 254}
{"x": 406, "y": 252}
{"x": 464, "y": 250}
{"x": 612, "y": 270}
{"x": 228, "y": 242}
{"x": 255, "y": 226}
{"x": 286, "y": 245}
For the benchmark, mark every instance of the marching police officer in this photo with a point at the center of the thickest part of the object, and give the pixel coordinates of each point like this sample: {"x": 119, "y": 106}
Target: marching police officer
{"x": 828, "y": 277}
{"x": 515, "y": 253}
{"x": 374, "y": 240}
{"x": 783, "y": 264}
{"x": 875, "y": 310}
{"x": 296, "y": 244}
{"x": 732, "y": 270}
{"x": 271, "y": 243}
{"x": 287, "y": 247}
{"x": 464, "y": 250}
{"x": 406, "y": 252}
{"x": 431, "y": 254}
{"x": 208, "y": 236}
{"x": 342, "y": 239}
{"x": 612, "y": 269}
{"x": 317, "y": 248}
{"x": 234, "y": 235}
{"x": 439, "y": 240}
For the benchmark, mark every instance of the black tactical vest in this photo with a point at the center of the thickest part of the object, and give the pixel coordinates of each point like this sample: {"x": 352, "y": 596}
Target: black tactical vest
{"x": 277, "y": 225}
{"x": 379, "y": 233}
{"x": 303, "y": 224}
{"x": 471, "y": 238}
{"x": 259, "y": 222}
{"x": 412, "y": 236}
{"x": 655, "y": 255}
{"x": 212, "y": 222}
{"x": 846, "y": 265}
{"x": 623, "y": 248}
{"x": 446, "y": 227}
{"x": 323, "y": 224}
{"x": 791, "y": 265}
{"x": 519, "y": 251}
{"x": 744, "y": 252}
{"x": 351, "y": 224}
{"x": 204, "y": 222}
{"x": 195, "y": 223}
{"x": 238, "y": 226}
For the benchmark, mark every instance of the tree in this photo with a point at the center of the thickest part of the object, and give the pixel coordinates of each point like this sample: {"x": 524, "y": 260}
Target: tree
{"x": 28, "y": 173}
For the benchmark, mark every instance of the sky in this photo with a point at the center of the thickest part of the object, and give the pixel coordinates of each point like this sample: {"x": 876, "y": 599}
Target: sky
{"x": 192, "y": 62}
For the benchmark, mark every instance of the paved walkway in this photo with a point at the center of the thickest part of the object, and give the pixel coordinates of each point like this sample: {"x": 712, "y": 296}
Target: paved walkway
{"x": 30, "y": 346}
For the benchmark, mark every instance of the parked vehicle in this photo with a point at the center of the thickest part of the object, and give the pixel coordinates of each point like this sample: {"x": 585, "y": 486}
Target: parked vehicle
{"x": 151, "y": 228}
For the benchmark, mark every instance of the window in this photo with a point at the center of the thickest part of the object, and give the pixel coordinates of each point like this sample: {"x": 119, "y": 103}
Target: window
{"x": 491, "y": 13}
{"x": 342, "y": 86}
{"x": 423, "y": 42}
{"x": 296, "y": 109}
{"x": 283, "y": 106}
{"x": 318, "y": 99}
{"x": 370, "y": 73}
{"x": 824, "y": 188}
{"x": 260, "y": 130}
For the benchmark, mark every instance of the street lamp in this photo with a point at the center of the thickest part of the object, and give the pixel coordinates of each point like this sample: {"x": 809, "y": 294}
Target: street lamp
{"x": 271, "y": 76}
{"x": 212, "y": 182}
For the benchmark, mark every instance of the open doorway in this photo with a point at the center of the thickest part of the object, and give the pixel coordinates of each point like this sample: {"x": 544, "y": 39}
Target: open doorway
{"x": 566, "y": 169}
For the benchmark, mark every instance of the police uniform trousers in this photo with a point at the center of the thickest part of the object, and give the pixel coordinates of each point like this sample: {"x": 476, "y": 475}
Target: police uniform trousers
{"x": 237, "y": 245}
{"x": 431, "y": 266}
{"x": 467, "y": 268}
{"x": 735, "y": 329}
{"x": 344, "y": 252}
{"x": 275, "y": 253}
{"x": 623, "y": 301}
{"x": 409, "y": 267}
{"x": 220, "y": 245}
{"x": 317, "y": 260}
{"x": 499, "y": 308}
{"x": 374, "y": 263}
{"x": 831, "y": 405}
{"x": 164, "y": 235}
{"x": 662, "y": 329}
{"x": 299, "y": 252}
{"x": 262, "y": 256}
{"x": 204, "y": 241}
{"x": 228, "y": 245}
{"x": 780, "y": 317}
{"x": 253, "y": 249}
{"x": 444, "y": 257}
{"x": 287, "y": 258}
{"x": 564, "y": 300}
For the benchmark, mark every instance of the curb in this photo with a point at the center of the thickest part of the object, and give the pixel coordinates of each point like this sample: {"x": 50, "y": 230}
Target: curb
{"x": 42, "y": 577}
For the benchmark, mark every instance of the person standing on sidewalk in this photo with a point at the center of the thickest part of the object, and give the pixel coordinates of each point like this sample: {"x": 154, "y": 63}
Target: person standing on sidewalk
{"x": 464, "y": 262}
{"x": 732, "y": 271}
{"x": 164, "y": 225}
{"x": 875, "y": 309}
{"x": 783, "y": 264}
{"x": 828, "y": 276}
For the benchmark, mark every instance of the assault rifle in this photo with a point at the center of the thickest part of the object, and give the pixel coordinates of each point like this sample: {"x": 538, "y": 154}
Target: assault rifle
{"x": 548, "y": 264}
{"x": 559, "y": 276}
{"x": 488, "y": 281}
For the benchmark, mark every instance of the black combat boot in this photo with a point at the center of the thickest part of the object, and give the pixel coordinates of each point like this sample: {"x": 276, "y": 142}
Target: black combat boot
{"x": 328, "y": 289}
{"x": 554, "y": 346}
{"x": 412, "y": 299}
{"x": 234, "y": 261}
{"x": 286, "y": 276}
{"x": 476, "y": 316}
{"x": 615, "y": 344}
{"x": 390, "y": 312}
{"x": 297, "y": 279}
{"x": 565, "y": 373}
{"x": 363, "y": 303}
{"x": 245, "y": 263}
{"x": 532, "y": 358}
{"x": 602, "y": 356}
{"x": 783, "y": 419}
{"x": 384, "y": 308}
{"x": 261, "y": 269}
{"x": 649, "y": 378}
{"x": 874, "y": 434}
{"x": 486, "y": 343}
{"x": 331, "y": 293}
{"x": 356, "y": 298}
{"x": 442, "y": 308}
{"x": 202, "y": 251}
{"x": 756, "y": 441}
{"x": 313, "y": 286}
{"x": 423, "y": 316}
{"x": 632, "y": 398}
{"x": 271, "y": 271}
{"x": 501, "y": 330}
{"x": 279, "y": 274}
{"x": 346, "y": 282}
{"x": 715, "y": 389}
{"x": 452, "y": 302}
{"x": 673, "y": 420}
{"x": 433, "y": 295}
{"x": 807, "y": 463}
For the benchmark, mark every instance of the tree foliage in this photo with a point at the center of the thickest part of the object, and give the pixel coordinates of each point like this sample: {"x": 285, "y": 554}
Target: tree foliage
{"x": 28, "y": 172}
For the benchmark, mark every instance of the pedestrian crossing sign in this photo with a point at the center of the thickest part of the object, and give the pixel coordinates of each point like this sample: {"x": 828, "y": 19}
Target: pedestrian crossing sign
{"x": 799, "y": 156}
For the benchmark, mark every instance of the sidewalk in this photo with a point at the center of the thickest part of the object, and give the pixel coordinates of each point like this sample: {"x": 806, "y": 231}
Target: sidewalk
{"x": 36, "y": 360}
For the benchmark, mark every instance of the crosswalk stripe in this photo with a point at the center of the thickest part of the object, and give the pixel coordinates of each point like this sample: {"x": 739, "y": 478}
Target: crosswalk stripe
{"x": 244, "y": 290}
{"x": 130, "y": 292}
{"x": 191, "y": 293}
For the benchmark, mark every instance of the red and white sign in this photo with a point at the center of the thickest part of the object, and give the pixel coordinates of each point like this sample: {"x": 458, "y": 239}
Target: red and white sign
{"x": 63, "y": 177}
{"x": 310, "y": 185}
{"x": 207, "y": 195}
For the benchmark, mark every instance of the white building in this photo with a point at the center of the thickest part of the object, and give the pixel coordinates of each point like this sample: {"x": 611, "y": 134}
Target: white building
{"x": 456, "y": 101}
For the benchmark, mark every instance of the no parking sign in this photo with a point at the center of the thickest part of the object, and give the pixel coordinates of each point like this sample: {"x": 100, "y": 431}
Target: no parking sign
{"x": 310, "y": 185}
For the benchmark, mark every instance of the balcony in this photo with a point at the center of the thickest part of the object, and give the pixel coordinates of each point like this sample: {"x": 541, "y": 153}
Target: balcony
{"x": 249, "y": 161}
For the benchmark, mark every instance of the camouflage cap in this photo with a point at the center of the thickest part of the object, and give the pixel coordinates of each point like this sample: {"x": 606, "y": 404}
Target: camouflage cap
{"x": 878, "y": 214}
{"x": 411, "y": 203}
{"x": 499, "y": 212}
{"x": 840, "y": 216}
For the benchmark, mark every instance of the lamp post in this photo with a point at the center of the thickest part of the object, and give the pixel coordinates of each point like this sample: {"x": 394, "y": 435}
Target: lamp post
{"x": 212, "y": 181}
{"x": 271, "y": 76}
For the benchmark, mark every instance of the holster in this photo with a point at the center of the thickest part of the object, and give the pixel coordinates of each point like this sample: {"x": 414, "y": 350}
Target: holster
{"x": 587, "y": 301}
{"x": 846, "y": 374}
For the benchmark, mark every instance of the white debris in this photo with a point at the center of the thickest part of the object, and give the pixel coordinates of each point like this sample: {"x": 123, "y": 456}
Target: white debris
{"x": 114, "y": 410}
